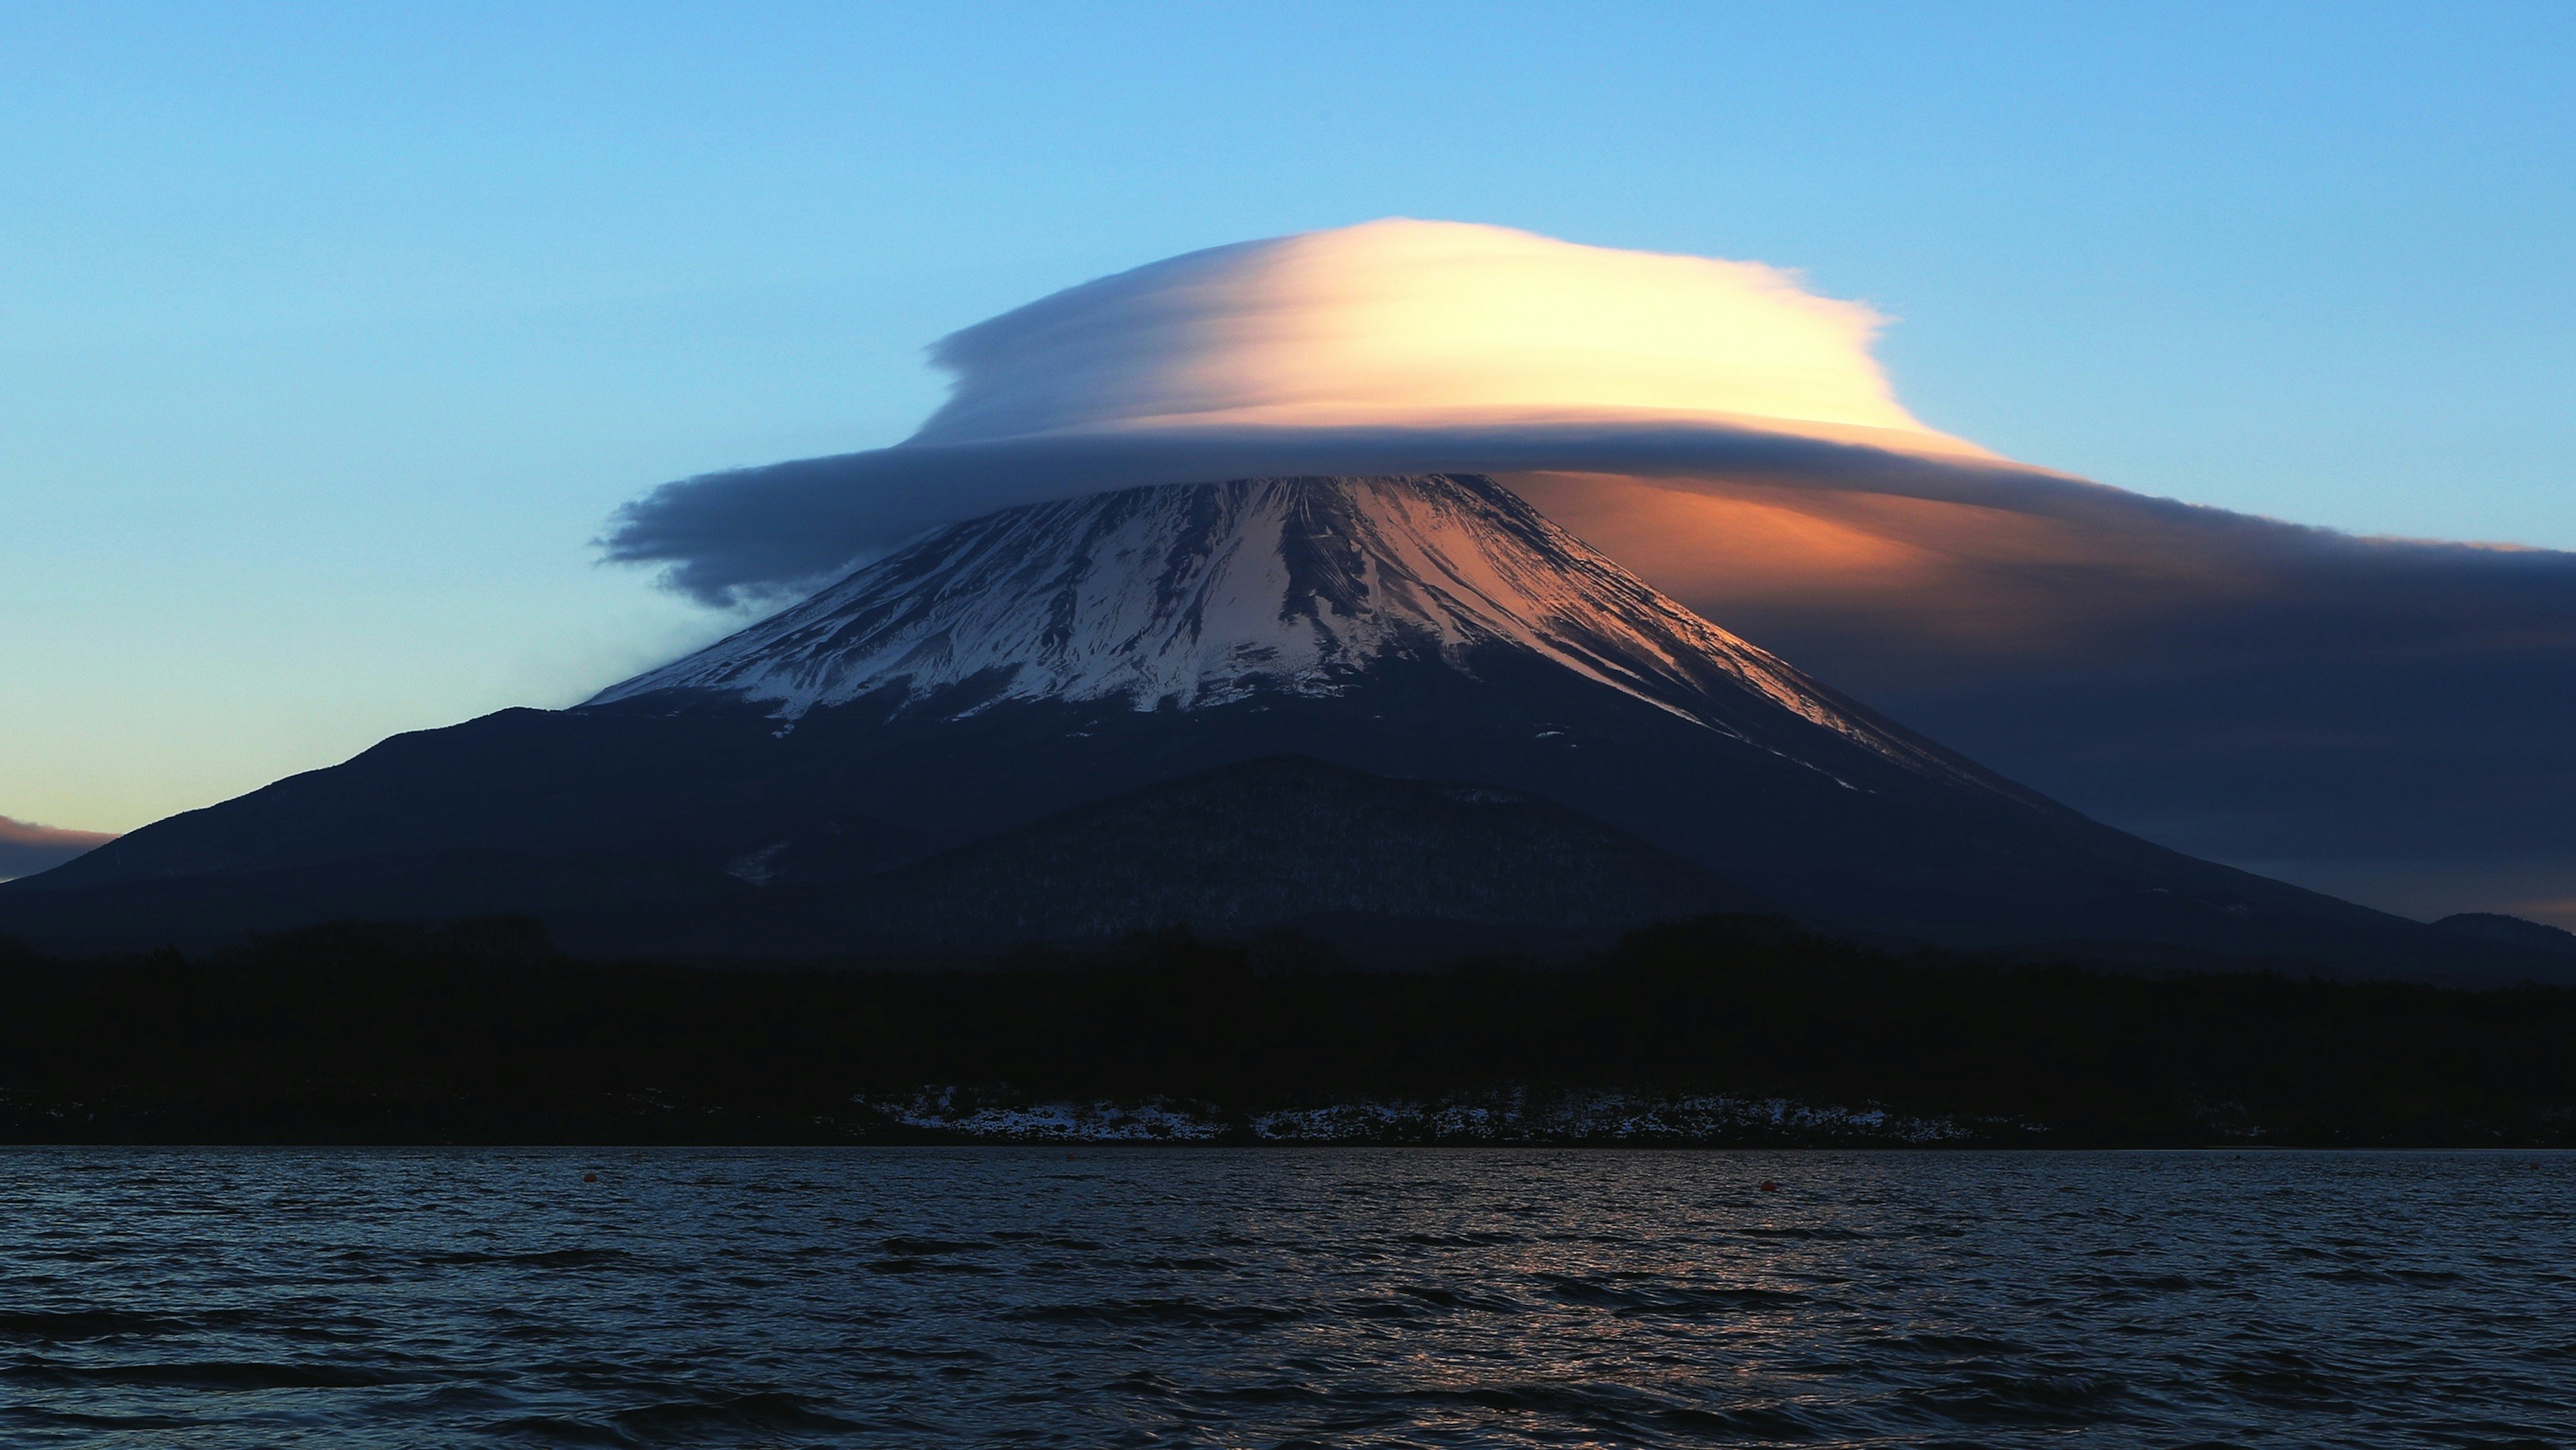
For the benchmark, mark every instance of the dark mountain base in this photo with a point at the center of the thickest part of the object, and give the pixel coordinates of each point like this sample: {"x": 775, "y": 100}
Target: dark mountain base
{"x": 618, "y": 827}
{"x": 484, "y": 1034}
{"x": 1390, "y": 873}
{"x": 1404, "y": 873}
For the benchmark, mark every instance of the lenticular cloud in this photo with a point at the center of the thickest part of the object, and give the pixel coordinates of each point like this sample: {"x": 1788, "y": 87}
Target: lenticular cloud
{"x": 1394, "y": 346}
{"x": 1423, "y": 325}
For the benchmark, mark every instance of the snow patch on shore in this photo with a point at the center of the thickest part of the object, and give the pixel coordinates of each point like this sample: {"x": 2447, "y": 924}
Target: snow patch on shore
{"x": 1509, "y": 1117}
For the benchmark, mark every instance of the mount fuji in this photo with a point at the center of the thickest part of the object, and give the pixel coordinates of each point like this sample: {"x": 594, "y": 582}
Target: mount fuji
{"x": 1410, "y": 702}
{"x": 1196, "y": 598}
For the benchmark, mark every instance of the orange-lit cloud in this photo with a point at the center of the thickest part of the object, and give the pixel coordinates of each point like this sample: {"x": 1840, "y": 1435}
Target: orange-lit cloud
{"x": 1403, "y": 323}
{"x": 1955, "y": 577}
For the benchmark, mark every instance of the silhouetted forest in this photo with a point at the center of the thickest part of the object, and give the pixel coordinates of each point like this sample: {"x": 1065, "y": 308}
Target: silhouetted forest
{"x": 483, "y": 1033}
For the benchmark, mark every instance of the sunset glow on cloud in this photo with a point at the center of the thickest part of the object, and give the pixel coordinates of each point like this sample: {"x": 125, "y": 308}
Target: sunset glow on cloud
{"x": 1412, "y": 324}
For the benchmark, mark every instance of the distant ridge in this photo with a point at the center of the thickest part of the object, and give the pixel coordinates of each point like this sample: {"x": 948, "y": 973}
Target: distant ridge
{"x": 2512, "y": 931}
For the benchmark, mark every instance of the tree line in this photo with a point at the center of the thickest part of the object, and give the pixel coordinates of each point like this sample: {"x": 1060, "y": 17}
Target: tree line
{"x": 482, "y": 1032}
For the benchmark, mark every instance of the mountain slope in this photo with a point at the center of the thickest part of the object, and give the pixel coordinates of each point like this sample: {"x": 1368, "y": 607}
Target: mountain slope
{"x": 1288, "y": 841}
{"x": 1393, "y": 871}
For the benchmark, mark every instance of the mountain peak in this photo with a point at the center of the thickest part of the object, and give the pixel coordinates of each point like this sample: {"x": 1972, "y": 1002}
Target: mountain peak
{"x": 1190, "y": 596}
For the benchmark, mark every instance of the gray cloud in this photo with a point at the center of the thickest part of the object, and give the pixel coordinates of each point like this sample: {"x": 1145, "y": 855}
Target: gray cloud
{"x": 781, "y": 529}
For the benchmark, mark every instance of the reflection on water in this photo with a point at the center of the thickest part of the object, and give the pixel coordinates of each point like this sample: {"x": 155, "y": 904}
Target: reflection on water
{"x": 1266, "y": 1297}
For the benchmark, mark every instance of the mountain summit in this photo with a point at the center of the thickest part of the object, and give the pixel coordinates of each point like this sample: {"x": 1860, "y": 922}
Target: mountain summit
{"x": 1196, "y": 597}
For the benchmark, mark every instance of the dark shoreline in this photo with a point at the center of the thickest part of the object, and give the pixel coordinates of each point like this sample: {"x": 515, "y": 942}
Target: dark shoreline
{"x": 1726, "y": 1032}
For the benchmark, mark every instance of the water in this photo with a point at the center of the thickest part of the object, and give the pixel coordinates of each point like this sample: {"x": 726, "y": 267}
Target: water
{"x": 216, "y": 1298}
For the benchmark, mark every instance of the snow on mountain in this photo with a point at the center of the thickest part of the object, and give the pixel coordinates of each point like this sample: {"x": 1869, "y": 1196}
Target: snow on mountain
{"x": 1195, "y": 595}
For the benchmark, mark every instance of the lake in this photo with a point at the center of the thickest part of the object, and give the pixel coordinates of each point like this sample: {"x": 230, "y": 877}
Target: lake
{"x": 1274, "y": 1297}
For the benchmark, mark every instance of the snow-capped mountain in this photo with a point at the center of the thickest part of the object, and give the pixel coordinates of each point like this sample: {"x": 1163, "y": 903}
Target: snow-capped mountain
{"x": 1198, "y": 595}
{"x": 1004, "y": 675}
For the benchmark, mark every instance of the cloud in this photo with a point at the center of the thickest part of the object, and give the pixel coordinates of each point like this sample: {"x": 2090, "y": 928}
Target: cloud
{"x": 2347, "y": 712}
{"x": 27, "y": 849}
{"x": 786, "y": 527}
{"x": 1409, "y": 323}
{"x": 1394, "y": 345}
{"x": 2330, "y": 708}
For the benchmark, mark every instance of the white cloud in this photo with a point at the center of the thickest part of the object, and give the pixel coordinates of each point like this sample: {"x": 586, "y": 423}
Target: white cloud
{"x": 1413, "y": 324}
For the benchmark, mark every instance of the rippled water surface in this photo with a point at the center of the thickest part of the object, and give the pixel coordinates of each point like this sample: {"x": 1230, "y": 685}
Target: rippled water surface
{"x": 1283, "y": 1297}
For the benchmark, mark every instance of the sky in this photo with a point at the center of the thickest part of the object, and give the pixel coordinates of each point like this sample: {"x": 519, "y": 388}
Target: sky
{"x": 331, "y": 337}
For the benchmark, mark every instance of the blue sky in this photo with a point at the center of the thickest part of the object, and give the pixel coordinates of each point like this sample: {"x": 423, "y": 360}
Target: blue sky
{"x": 329, "y": 336}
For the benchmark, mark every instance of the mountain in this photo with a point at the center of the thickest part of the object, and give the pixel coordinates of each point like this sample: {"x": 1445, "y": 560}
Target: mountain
{"x": 1427, "y": 628}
